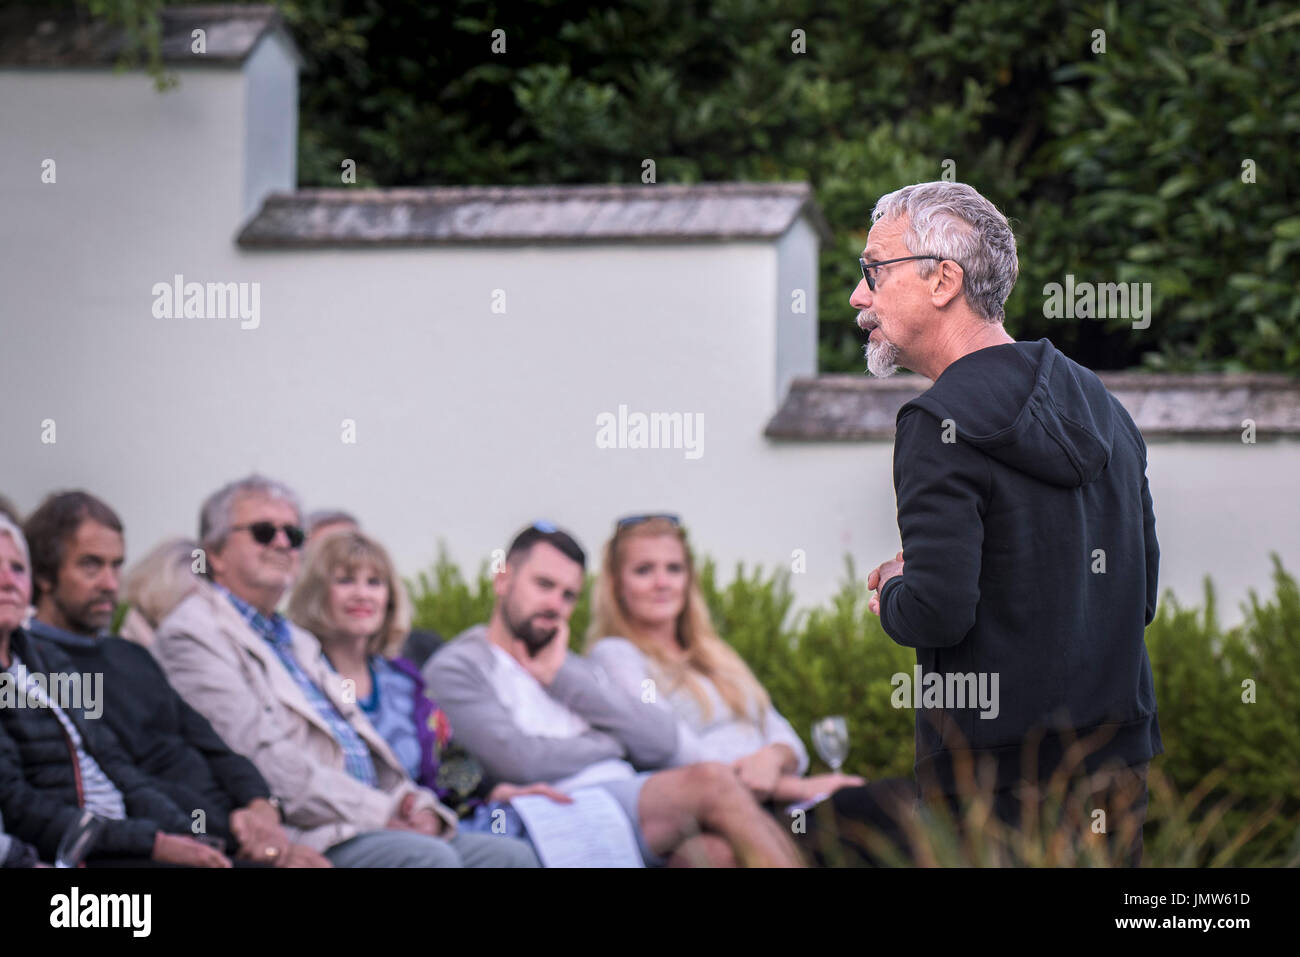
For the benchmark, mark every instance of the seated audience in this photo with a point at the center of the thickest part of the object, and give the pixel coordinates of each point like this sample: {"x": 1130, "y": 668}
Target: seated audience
{"x": 651, "y": 629}
{"x": 55, "y": 762}
{"x": 269, "y": 692}
{"x": 350, "y": 597}
{"x": 530, "y": 711}
{"x": 77, "y": 548}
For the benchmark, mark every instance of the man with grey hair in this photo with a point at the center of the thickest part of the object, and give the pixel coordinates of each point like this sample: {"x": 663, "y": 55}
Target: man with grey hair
{"x": 1026, "y": 523}
{"x": 270, "y": 693}
{"x": 326, "y": 520}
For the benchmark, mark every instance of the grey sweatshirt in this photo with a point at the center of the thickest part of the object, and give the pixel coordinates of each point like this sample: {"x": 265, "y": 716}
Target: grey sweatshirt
{"x": 459, "y": 679}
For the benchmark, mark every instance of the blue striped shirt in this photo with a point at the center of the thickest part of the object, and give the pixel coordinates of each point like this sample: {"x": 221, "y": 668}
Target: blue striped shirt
{"x": 275, "y": 630}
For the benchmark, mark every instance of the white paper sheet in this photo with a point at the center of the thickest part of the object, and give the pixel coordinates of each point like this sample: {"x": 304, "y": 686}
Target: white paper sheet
{"x": 593, "y": 831}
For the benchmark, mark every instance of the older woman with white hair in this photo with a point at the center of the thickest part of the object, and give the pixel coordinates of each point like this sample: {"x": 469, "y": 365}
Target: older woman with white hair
{"x": 13, "y": 852}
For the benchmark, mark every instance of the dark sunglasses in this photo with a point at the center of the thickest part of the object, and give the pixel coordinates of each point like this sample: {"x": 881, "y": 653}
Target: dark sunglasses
{"x": 867, "y": 267}
{"x": 638, "y": 519}
{"x": 264, "y": 533}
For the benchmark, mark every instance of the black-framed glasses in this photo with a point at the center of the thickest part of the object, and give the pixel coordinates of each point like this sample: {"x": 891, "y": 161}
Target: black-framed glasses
{"x": 631, "y": 520}
{"x": 867, "y": 267}
{"x": 264, "y": 533}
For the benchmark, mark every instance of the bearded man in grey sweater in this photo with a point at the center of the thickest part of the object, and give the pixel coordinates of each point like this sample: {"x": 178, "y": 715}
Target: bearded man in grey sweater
{"x": 530, "y": 711}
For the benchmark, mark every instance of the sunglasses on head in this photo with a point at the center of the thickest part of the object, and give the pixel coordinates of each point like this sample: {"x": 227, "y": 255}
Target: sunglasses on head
{"x": 264, "y": 533}
{"x": 638, "y": 519}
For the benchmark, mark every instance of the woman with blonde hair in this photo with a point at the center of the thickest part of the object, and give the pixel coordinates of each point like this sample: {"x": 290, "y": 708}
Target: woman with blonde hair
{"x": 651, "y": 632}
{"x": 156, "y": 584}
{"x": 350, "y": 598}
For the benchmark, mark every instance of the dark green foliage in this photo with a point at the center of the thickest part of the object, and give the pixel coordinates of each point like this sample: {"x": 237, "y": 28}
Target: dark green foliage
{"x": 1200, "y": 670}
{"x": 1115, "y": 166}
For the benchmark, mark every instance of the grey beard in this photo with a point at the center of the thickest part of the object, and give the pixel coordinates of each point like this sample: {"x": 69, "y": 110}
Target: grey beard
{"x": 882, "y": 359}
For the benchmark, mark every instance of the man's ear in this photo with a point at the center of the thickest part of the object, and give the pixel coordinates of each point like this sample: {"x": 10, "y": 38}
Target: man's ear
{"x": 946, "y": 282}
{"x": 501, "y": 581}
{"x": 215, "y": 565}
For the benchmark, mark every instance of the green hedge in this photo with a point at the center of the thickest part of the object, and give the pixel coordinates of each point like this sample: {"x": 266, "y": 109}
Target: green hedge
{"x": 836, "y": 659}
{"x": 1166, "y": 157}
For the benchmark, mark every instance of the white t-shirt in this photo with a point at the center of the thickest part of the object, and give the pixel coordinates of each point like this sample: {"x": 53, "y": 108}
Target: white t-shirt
{"x": 537, "y": 714}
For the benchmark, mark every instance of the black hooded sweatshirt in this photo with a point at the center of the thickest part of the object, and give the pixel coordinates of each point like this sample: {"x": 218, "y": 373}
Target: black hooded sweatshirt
{"x": 1030, "y": 553}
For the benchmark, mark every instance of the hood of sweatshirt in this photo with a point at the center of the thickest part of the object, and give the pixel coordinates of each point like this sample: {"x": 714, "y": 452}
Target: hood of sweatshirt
{"x": 1029, "y": 406}
{"x": 79, "y": 644}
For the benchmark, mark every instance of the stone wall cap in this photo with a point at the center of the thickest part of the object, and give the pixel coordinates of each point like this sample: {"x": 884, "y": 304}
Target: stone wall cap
{"x": 1163, "y": 405}
{"x": 452, "y": 215}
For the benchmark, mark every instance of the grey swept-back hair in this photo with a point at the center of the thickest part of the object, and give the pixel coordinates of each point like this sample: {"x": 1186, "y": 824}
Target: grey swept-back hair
{"x": 218, "y": 512}
{"x": 954, "y": 221}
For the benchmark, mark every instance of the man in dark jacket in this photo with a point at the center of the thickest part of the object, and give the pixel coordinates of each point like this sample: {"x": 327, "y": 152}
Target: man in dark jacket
{"x": 54, "y": 761}
{"x": 1026, "y": 522}
{"x": 77, "y": 548}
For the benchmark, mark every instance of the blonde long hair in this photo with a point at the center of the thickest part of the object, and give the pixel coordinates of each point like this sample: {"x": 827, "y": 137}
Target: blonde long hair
{"x": 707, "y": 655}
{"x": 162, "y": 579}
{"x": 348, "y": 549}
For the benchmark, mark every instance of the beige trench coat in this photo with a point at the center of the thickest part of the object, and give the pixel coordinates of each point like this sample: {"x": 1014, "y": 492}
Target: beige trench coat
{"x": 233, "y": 677}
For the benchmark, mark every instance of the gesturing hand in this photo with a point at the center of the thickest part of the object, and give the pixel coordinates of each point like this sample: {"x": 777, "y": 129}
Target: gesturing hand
{"x": 881, "y": 574}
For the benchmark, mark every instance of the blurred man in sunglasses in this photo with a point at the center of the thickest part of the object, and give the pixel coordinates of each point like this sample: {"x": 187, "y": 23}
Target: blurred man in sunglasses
{"x": 268, "y": 690}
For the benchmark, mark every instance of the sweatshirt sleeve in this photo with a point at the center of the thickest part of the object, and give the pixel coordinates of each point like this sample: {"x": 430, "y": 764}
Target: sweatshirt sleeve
{"x": 486, "y": 729}
{"x": 941, "y": 492}
{"x": 1152, "y": 544}
{"x": 648, "y": 734}
{"x": 777, "y": 730}
{"x": 628, "y": 668}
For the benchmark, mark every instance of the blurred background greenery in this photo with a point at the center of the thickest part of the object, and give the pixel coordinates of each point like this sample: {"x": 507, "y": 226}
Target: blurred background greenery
{"x": 1162, "y": 151}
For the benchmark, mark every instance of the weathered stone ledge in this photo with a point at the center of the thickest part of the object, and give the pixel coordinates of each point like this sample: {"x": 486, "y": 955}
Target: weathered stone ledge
{"x": 1164, "y": 405}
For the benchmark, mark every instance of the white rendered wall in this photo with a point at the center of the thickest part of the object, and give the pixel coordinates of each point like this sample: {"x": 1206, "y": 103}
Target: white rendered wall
{"x": 469, "y": 424}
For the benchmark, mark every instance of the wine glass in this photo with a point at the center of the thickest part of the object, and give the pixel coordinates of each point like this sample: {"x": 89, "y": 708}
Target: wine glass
{"x": 78, "y": 839}
{"x": 830, "y": 737}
